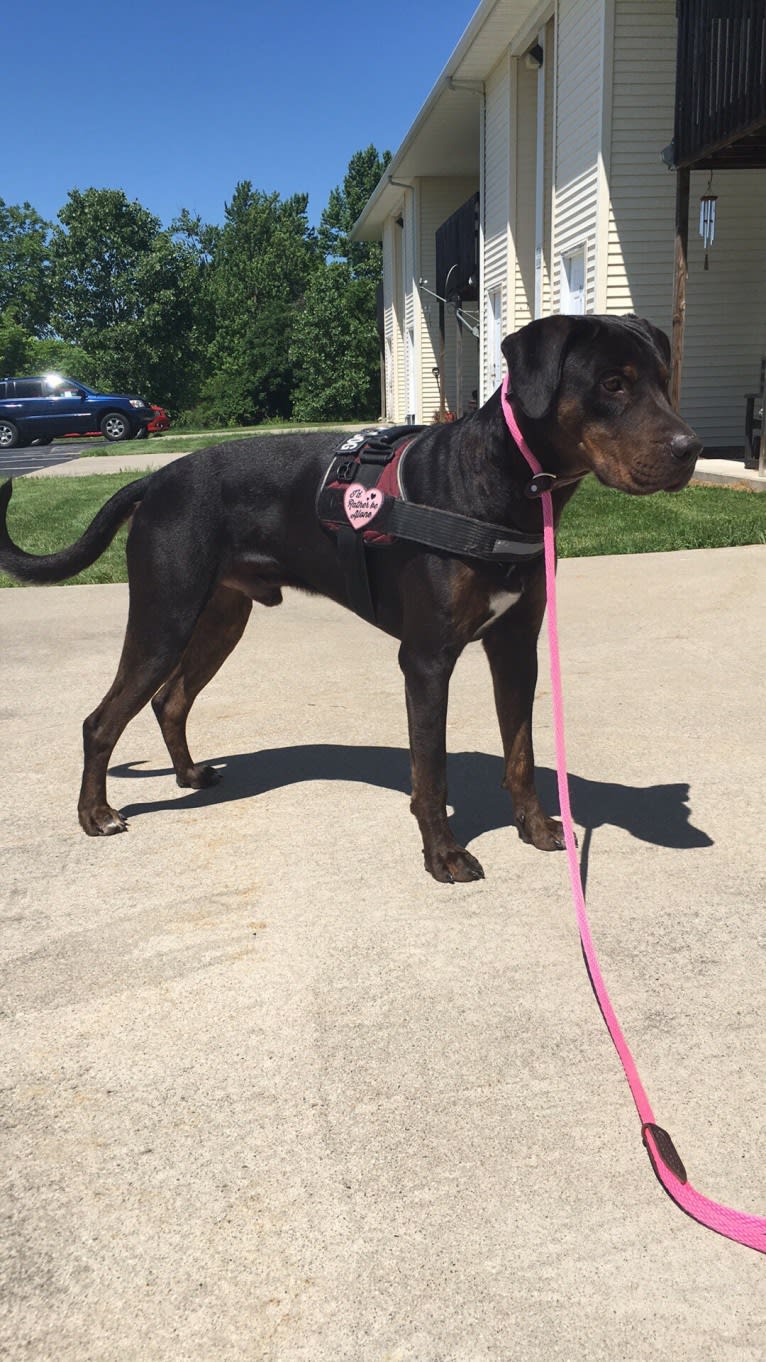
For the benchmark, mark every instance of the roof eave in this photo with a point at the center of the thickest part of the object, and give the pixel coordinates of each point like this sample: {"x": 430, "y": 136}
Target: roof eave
{"x": 406, "y": 164}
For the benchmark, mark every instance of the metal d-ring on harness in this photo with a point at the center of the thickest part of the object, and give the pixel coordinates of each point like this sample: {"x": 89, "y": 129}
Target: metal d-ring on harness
{"x": 362, "y": 500}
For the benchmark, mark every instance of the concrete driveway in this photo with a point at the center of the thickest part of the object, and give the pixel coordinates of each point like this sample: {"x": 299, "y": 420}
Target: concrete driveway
{"x": 272, "y": 1093}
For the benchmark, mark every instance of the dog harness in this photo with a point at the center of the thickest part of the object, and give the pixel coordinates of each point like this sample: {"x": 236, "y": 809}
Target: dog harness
{"x": 362, "y": 500}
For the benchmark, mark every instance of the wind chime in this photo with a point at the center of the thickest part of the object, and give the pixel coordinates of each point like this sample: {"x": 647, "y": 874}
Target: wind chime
{"x": 707, "y": 219}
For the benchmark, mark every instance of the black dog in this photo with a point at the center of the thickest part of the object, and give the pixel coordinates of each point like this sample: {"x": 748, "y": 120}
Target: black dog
{"x": 222, "y": 528}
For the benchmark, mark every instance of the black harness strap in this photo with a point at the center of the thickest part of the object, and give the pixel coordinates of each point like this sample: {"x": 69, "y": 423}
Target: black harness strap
{"x": 370, "y": 459}
{"x": 352, "y": 550}
{"x": 444, "y": 530}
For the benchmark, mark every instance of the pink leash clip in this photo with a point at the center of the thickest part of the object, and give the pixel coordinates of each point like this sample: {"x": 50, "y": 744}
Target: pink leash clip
{"x": 749, "y": 1230}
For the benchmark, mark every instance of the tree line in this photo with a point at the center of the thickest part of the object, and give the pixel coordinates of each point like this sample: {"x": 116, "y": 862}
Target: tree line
{"x": 260, "y": 317}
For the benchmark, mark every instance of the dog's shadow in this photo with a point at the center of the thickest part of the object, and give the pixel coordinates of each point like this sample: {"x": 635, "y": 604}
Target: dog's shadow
{"x": 658, "y": 814}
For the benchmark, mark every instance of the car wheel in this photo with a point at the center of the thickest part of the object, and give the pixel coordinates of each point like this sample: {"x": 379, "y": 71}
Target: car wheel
{"x": 142, "y": 433}
{"x": 9, "y": 435}
{"x": 115, "y": 426}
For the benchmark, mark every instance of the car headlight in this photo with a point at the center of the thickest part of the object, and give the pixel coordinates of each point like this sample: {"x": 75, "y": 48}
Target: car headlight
{"x": 137, "y": 402}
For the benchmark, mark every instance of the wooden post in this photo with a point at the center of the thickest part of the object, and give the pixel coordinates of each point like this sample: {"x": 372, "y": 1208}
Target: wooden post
{"x": 679, "y": 282}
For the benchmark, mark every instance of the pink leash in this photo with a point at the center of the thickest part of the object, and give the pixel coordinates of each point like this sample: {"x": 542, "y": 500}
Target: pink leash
{"x": 744, "y": 1229}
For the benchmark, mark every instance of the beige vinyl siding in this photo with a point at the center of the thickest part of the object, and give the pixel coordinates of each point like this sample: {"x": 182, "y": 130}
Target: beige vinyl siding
{"x": 409, "y": 256}
{"x": 410, "y": 370}
{"x": 496, "y": 205}
{"x": 578, "y": 138}
{"x": 524, "y": 218}
{"x": 549, "y": 156}
{"x": 391, "y": 326}
{"x": 642, "y": 190}
{"x": 437, "y": 200}
{"x": 725, "y": 307}
{"x": 398, "y": 313}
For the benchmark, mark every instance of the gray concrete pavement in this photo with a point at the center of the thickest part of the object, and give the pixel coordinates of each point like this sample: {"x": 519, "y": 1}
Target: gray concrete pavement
{"x": 272, "y": 1093}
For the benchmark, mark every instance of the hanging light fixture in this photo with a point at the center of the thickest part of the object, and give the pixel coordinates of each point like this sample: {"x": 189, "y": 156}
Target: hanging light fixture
{"x": 707, "y": 218}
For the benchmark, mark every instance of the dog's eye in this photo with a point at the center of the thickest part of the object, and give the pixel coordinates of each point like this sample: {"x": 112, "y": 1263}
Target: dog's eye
{"x": 613, "y": 383}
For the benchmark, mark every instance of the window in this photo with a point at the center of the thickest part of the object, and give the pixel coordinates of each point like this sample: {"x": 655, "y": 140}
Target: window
{"x": 573, "y": 282}
{"x": 56, "y": 386}
{"x": 28, "y": 387}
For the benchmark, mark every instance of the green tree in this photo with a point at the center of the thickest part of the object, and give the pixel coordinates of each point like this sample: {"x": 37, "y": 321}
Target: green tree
{"x": 15, "y": 345}
{"x": 25, "y": 286}
{"x": 22, "y": 353}
{"x": 261, "y": 262}
{"x": 344, "y": 206}
{"x": 124, "y": 291}
{"x": 336, "y": 348}
{"x": 52, "y": 355}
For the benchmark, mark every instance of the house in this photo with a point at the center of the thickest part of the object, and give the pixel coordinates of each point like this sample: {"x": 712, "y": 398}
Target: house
{"x": 533, "y": 182}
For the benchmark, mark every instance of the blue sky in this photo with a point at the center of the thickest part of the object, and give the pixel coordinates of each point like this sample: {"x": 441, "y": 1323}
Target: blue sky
{"x": 174, "y": 103}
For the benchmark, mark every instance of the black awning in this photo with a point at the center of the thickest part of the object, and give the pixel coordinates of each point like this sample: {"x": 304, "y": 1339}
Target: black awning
{"x": 720, "y": 114}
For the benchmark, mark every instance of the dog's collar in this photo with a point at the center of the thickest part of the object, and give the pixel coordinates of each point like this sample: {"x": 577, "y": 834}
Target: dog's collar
{"x": 540, "y": 481}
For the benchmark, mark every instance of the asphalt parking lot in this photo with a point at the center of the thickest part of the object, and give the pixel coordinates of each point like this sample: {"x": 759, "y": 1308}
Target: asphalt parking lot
{"x": 272, "y": 1093}
{"x": 15, "y": 462}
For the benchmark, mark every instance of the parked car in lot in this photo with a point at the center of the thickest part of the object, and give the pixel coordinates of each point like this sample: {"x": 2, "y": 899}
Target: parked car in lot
{"x": 161, "y": 420}
{"x": 42, "y": 407}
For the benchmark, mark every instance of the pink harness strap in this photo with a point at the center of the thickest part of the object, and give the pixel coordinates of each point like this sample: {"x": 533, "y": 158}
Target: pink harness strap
{"x": 749, "y": 1230}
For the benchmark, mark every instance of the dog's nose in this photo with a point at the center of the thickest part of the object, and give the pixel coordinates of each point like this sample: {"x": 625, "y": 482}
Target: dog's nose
{"x": 685, "y": 446}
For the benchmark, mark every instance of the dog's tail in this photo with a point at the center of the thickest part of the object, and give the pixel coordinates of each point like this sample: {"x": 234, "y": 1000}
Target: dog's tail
{"x": 56, "y": 567}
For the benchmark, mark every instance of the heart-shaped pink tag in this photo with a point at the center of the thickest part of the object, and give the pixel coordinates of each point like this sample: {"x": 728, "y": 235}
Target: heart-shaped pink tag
{"x": 361, "y": 504}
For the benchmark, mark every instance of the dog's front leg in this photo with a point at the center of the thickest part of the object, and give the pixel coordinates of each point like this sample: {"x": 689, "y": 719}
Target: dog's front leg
{"x": 511, "y": 647}
{"x": 427, "y": 678}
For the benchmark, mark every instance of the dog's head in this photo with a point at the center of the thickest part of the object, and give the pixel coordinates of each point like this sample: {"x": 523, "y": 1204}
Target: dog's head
{"x": 598, "y": 387}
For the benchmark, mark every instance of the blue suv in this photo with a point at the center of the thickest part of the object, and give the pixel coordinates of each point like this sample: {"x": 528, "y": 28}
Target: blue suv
{"x": 40, "y": 408}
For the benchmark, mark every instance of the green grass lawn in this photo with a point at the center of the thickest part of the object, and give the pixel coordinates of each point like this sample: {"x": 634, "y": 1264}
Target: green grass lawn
{"x": 187, "y": 441}
{"x": 47, "y": 513}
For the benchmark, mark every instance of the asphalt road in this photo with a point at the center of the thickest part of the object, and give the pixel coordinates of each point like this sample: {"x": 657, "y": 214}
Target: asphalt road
{"x": 14, "y": 462}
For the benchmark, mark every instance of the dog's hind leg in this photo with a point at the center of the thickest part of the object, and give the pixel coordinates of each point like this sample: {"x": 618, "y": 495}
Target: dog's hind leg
{"x": 217, "y": 633}
{"x": 167, "y": 597}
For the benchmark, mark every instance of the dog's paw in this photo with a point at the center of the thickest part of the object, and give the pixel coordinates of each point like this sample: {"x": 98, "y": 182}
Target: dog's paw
{"x": 198, "y": 778}
{"x": 454, "y": 866}
{"x": 546, "y": 834}
{"x": 102, "y": 821}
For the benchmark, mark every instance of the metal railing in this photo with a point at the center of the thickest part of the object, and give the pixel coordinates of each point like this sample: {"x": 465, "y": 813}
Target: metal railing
{"x": 720, "y": 75}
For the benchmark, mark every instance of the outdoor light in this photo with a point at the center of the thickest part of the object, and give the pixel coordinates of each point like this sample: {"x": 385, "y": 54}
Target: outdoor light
{"x": 533, "y": 59}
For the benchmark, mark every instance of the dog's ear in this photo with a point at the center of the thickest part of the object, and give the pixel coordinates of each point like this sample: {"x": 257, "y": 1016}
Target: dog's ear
{"x": 535, "y": 358}
{"x": 657, "y": 338}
